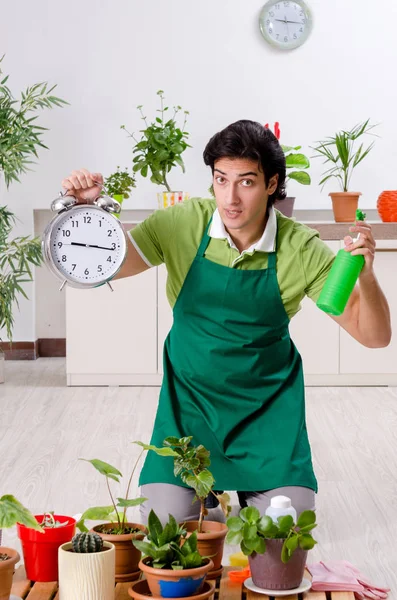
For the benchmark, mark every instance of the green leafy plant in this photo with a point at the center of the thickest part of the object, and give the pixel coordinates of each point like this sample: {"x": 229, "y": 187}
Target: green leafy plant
{"x": 20, "y": 134}
{"x": 191, "y": 465}
{"x": 343, "y": 153}
{"x": 251, "y": 530}
{"x": 120, "y": 183}
{"x": 49, "y": 521}
{"x": 17, "y": 256}
{"x": 168, "y": 547}
{"x": 111, "y": 513}
{"x": 13, "y": 512}
{"x": 161, "y": 145}
{"x": 293, "y": 160}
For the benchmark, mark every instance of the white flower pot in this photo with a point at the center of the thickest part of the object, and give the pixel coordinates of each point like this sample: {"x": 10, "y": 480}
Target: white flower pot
{"x": 166, "y": 199}
{"x": 86, "y": 576}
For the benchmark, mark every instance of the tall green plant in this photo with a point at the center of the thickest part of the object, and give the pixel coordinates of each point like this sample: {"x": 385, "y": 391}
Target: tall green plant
{"x": 161, "y": 146}
{"x": 20, "y": 135}
{"x": 343, "y": 153}
{"x": 16, "y": 259}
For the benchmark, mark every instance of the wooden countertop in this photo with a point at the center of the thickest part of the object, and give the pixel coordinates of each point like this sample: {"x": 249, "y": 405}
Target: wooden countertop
{"x": 337, "y": 231}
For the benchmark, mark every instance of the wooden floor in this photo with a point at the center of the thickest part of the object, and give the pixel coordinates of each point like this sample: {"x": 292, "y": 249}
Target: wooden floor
{"x": 45, "y": 427}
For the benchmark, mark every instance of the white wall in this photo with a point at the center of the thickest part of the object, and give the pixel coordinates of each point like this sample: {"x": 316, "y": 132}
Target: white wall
{"x": 208, "y": 56}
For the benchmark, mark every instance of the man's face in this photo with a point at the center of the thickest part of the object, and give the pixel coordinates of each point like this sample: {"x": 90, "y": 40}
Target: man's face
{"x": 241, "y": 193}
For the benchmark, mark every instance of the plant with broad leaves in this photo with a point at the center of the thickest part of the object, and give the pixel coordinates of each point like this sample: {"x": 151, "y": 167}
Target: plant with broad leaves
{"x": 293, "y": 160}
{"x": 17, "y": 256}
{"x": 120, "y": 183}
{"x": 340, "y": 150}
{"x": 161, "y": 146}
{"x": 111, "y": 513}
{"x": 13, "y": 512}
{"x": 168, "y": 547}
{"x": 251, "y": 530}
{"x": 19, "y": 133}
{"x": 191, "y": 465}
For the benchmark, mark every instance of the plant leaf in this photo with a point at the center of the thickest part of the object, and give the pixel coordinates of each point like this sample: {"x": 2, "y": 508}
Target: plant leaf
{"x": 301, "y": 177}
{"x": 13, "y": 512}
{"x": 104, "y": 468}
{"x": 235, "y": 523}
{"x": 155, "y": 527}
{"x": 234, "y": 537}
{"x": 249, "y": 514}
{"x": 307, "y": 517}
{"x": 159, "y": 451}
{"x": 122, "y": 502}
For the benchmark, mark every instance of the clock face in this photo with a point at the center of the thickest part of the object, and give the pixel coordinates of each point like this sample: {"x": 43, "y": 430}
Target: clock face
{"x": 287, "y": 24}
{"x": 87, "y": 246}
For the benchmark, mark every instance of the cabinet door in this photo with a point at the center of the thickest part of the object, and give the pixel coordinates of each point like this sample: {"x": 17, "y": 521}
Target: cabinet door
{"x": 164, "y": 322}
{"x": 113, "y": 333}
{"x": 316, "y": 336}
{"x": 355, "y": 358}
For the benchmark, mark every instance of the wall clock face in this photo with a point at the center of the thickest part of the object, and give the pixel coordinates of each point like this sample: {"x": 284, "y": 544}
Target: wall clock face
{"x": 287, "y": 24}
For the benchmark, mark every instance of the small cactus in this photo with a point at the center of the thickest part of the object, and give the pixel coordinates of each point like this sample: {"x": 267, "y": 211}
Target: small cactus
{"x": 87, "y": 542}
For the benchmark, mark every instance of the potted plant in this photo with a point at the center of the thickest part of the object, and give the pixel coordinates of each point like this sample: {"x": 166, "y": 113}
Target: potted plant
{"x": 11, "y": 513}
{"x": 342, "y": 153}
{"x": 20, "y": 138}
{"x": 295, "y": 163}
{"x": 86, "y": 568}
{"x": 119, "y": 184}
{"x": 172, "y": 565}
{"x": 191, "y": 465}
{"x": 40, "y": 547}
{"x": 117, "y": 530}
{"x": 160, "y": 149}
{"x": 277, "y": 552}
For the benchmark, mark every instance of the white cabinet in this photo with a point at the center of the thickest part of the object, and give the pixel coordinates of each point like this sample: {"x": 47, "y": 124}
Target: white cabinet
{"x": 112, "y": 336}
{"x": 117, "y": 338}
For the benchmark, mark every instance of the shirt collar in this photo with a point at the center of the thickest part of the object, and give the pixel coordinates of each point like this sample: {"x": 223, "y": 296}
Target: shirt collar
{"x": 267, "y": 242}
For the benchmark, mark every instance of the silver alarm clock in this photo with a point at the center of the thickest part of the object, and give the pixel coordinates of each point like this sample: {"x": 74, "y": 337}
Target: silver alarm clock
{"x": 85, "y": 244}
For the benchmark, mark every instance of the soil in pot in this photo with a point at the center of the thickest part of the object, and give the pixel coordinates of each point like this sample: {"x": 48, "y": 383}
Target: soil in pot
{"x": 210, "y": 542}
{"x": 7, "y": 568}
{"x": 269, "y": 572}
{"x": 169, "y": 583}
{"x": 127, "y": 556}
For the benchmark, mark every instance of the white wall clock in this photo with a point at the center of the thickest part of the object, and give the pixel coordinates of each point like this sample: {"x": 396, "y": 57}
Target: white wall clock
{"x": 286, "y": 24}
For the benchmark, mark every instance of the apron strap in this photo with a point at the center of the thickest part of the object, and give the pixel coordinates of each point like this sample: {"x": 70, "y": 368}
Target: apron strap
{"x": 271, "y": 261}
{"x": 205, "y": 241}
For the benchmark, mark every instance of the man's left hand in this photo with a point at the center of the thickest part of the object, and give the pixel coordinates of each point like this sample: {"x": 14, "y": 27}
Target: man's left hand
{"x": 365, "y": 245}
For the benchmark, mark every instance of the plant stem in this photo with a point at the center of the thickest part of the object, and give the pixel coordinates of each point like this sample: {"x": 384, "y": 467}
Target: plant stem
{"x": 165, "y": 181}
{"x": 129, "y": 484}
{"x": 201, "y": 518}
{"x": 113, "y": 502}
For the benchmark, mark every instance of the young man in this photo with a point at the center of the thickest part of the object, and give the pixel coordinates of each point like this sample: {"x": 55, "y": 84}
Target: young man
{"x": 237, "y": 272}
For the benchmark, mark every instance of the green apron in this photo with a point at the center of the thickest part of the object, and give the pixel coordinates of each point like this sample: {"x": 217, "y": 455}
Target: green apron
{"x": 233, "y": 380}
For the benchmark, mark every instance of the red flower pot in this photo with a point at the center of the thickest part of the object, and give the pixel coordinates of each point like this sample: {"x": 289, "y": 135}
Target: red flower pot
{"x": 40, "y": 550}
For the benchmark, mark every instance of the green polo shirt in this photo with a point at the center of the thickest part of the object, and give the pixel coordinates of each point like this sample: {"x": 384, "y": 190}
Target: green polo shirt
{"x": 172, "y": 236}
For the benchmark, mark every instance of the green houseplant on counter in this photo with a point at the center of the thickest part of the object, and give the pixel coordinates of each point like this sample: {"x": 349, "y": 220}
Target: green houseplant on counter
{"x": 172, "y": 565}
{"x": 119, "y": 184}
{"x": 343, "y": 154}
{"x": 160, "y": 149}
{"x": 277, "y": 551}
{"x": 117, "y": 530}
{"x": 191, "y": 464}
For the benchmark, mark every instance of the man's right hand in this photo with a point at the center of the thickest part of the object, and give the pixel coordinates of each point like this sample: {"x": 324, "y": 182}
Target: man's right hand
{"x": 83, "y": 185}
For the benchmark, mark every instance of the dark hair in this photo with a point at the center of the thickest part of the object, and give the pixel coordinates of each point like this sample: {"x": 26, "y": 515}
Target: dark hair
{"x": 249, "y": 139}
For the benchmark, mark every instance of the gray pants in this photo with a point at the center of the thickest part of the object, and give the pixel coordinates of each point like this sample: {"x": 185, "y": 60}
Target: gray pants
{"x": 166, "y": 498}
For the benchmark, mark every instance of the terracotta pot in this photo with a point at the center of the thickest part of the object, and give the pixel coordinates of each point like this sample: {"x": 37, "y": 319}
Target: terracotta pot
{"x": 344, "y": 205}
{"x": 140, "y": 591}
{"x": 286, "y": 206}
{"x": 127, "y": 556}
{"x": 210, "y": 542}
{"x": 387, "y": 206}
{"x": 7, "y": 569}
{"x": 40, "y": 550}
{"x": 269, "y": 572}
{"x": 86, "y": 575}
{"x": 170, "y": 583}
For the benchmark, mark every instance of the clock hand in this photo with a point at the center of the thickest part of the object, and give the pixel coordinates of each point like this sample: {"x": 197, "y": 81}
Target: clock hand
{"x": 283, "y": 21}
{"x": 90, "y": 246}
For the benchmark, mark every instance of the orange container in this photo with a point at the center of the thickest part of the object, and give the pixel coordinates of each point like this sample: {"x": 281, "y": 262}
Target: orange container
{"x": 387, "y": 206}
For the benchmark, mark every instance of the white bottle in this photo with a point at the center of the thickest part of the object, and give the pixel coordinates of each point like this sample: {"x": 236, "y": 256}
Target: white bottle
{"x": 279, "y": 507}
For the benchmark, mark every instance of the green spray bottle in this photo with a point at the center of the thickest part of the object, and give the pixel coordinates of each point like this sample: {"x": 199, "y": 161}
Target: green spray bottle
{"x": 341, "y": 279}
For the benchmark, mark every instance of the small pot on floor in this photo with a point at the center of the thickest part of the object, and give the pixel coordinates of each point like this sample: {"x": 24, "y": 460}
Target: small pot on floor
{"x": 127, "y": 556}
{"x": 269, "y": 572}
{"x": 173, "y": 583}
{"x": 86, "y": 576}
{"x": 210, "y": 542}
{"x": 7, "y": 569}
{"x": 140, "y": 591}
